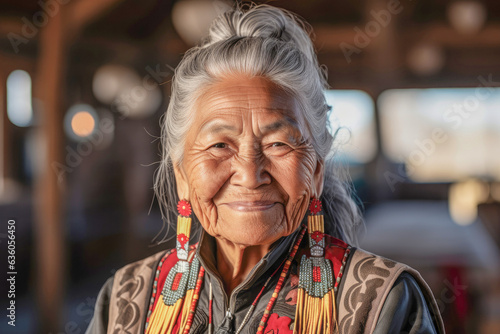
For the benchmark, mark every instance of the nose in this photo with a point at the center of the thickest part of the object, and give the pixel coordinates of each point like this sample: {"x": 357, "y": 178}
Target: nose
{"x": 250, "y": 171}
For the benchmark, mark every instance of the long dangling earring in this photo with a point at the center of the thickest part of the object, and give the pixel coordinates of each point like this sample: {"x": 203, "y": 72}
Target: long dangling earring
{"x": 178, "y": 290}
{"x": 315, "y": 312}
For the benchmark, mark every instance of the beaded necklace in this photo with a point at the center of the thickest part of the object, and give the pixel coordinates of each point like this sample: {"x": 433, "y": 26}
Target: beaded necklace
{"x": 283, "y": 275}
{"x": 274, "y": 296}
{"x": 196, "y": 293}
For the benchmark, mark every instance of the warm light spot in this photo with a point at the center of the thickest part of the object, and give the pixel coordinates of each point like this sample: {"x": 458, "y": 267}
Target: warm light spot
{"x": 83, "y": 123}
{"x": 464, "y": 198}
{"x": 495, "y": 191}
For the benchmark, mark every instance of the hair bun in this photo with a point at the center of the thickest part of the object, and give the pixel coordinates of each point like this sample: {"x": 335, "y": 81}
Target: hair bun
{"x": 262, "y": 21}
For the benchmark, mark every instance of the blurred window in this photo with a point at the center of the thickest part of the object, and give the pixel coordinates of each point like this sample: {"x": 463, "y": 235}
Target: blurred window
{"x": 19, "y": 108}
{"x": 442, "y": 134}
{"x": 353, "y": 116}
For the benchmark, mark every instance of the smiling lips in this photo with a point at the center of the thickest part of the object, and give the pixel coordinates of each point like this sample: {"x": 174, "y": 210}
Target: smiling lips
{"x": 251, "y": 206}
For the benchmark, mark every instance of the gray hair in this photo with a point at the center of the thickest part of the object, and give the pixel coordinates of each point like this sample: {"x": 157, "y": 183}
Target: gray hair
{"x": 257, "y": 40}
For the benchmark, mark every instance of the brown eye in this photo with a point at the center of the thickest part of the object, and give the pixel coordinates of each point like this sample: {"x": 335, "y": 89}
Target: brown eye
{"x": 277, "y": 144}
{"x": 220, "y": 145}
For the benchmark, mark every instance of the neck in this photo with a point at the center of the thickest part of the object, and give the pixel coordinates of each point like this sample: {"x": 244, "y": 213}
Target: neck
{"x": 234, "y": 262}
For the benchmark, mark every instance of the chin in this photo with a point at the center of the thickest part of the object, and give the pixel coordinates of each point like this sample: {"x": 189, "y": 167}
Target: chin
{"x": 254, "y": 239}
{"x": 252, "y": 229}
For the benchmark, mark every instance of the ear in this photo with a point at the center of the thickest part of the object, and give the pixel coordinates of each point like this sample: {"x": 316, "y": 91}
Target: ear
{"x": 181, "y": 181}
{"x": 318, "y": 178}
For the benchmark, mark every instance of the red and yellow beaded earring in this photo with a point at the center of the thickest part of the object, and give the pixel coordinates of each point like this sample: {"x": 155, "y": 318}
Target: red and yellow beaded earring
{"x": 315, "y": 312}
{"x": 178, "y": 294}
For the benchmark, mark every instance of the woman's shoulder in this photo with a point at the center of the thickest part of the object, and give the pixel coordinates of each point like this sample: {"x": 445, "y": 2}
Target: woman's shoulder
{"x": 149, "y": 263}
{"x": 407, "y": 310}
{"x": 363, "y": 264}
{"x": 375, "y": 287}
{"x": 148, "y": 266}
{"x": 125, "y": 290}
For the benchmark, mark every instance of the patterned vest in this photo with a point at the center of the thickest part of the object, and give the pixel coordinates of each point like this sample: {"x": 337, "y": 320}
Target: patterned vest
{"x": 365, "y": 282}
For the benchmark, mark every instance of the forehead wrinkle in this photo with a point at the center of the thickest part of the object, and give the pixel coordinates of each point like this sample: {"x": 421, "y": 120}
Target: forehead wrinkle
{"x": 231, "y": 87}
{"x": 220, "y": 122}
{"x": 232, "y": 97}
{"x": 232, "y": 105}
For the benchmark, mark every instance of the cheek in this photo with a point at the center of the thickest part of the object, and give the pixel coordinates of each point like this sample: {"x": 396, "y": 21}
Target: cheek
{"x": 295, "y": 175}
{"x": 206, "y": 178}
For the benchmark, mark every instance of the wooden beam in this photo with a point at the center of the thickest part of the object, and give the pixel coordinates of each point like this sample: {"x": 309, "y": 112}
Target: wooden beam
{"x": 11, "y": 62}
{"x": 49, "y": 229}
{"x": 81, "y": 13}
{"x": 10, "y": 24}
{"x": 329, "y": 38}
{"x": 4, "y": 134}
{"x": 444, "y": 35}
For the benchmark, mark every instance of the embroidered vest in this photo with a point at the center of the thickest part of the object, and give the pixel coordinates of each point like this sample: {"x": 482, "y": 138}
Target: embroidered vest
{"x": 365, "y": 284}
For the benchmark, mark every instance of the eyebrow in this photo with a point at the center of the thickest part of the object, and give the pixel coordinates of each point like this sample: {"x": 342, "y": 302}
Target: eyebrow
{"x": 288, "y": 121}
{"x": 218, "y": 126}
{"x": 279, "y": 124}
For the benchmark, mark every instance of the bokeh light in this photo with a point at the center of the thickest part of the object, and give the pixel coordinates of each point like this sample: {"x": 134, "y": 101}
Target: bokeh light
{"x": 192, "y": 18}
{"x": 110, "y": 80}
{"x": 80, "y": 121}
{"x": 19, "y": 107}
{"x": 467, "y": 17}
{"x": 464, "y": 198}
{"x": 123, "y": 89}
{"x": 426, "y": 59}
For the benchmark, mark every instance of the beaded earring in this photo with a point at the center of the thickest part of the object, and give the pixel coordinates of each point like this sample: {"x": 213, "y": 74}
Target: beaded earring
{"x": 315, "y": 312}
{"x": 178, "y": 293}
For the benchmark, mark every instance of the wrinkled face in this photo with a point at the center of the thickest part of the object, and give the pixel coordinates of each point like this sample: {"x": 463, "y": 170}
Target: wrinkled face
{"x": 249, "y": 168}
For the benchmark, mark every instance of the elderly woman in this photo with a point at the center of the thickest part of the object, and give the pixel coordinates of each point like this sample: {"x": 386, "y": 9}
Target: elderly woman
{"x": 247, "y": 153}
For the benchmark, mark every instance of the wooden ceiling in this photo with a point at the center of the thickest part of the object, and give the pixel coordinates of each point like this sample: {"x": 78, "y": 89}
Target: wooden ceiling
{"x": 140, "y": 33}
